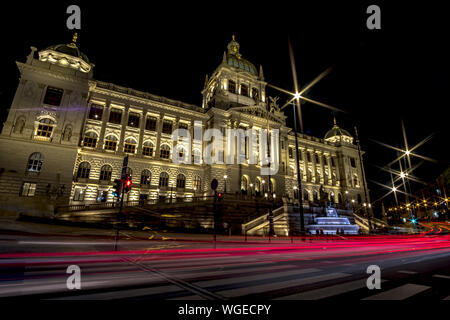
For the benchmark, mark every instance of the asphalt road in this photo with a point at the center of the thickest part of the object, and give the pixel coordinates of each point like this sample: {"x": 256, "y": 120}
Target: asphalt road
{"x": 412, "y": 267}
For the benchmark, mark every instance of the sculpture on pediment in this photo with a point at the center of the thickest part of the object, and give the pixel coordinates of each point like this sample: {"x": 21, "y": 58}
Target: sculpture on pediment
{"x": 273, "y": 104}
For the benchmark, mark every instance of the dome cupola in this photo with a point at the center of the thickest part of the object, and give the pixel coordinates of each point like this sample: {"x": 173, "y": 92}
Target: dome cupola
{"x": 234, "y": 58}
{"x": 337, "y": 134}
{"x": 67, "y": 55}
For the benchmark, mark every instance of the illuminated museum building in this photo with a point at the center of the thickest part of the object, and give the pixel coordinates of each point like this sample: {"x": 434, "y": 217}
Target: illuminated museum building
{"x": 66, "y": 136}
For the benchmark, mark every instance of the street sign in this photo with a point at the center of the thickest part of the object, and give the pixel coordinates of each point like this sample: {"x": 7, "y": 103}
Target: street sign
{"x": 214, "y": 184}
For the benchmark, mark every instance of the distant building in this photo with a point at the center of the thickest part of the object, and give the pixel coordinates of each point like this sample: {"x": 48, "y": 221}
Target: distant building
{"x": 66, "y": 136}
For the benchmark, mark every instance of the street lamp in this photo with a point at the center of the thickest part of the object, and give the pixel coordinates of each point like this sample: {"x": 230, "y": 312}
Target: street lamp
{"x": 225, "y": 188}
{"x": 264, "y": 185}
{"x": 251, "y": 189}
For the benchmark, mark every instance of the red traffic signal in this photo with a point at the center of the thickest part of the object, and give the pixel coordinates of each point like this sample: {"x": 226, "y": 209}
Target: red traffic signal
{"x": 127, "y": 185}
{"x": 220, "y": 196}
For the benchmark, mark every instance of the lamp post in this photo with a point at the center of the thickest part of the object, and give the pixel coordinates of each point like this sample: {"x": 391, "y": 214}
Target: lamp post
{"x": 251, "y": 189}
{"x": 225, "y": 188}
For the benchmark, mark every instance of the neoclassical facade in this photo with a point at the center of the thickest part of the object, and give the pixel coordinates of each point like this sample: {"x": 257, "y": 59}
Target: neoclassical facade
{"x": 66, "y": 136}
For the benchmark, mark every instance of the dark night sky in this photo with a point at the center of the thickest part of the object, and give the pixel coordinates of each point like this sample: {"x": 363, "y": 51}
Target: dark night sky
{"x": 378, "y": 77}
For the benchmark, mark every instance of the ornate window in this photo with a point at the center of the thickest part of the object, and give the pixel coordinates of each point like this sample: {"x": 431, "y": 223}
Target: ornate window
{"x": 291, "y": 153}
{"x": 244, "y": 90}
{"x": 181, "y": 181}
{"x": 111, "y": 142}
{"x": 197, "y": 157}
{"x": 197, "y": 183}
{"x": 163, "y": 179}
{"x": 90, "y": 140}
{"x": 147, "y": 149}
{"x": 115, "y": 116}
{"x": 105, "y": 173}
{"x": 353, "y": 162}
{"x": 133, "y": 119}
{"x": 150, "y": 124}
{"x": 146, "y": 177}
{"x": 28, "y": 189}
{"x": 96, "y": 112}
{"x": 45, "y": 128}
{"x": 231, "y": 86}
{"x": 53, "y": 96}
{"x": 164, "y": 152}
{"x": 83, "y": 170}
{"x": 167, "y": 126}
{"x": 129, "y": 146}
{"x": 35, "y": 162}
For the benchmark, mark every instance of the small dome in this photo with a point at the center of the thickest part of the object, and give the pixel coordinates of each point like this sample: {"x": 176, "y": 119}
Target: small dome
{"x": 336, "y": 133}
{"x": 70, "y": 49}
{"x": 234, "y": 58}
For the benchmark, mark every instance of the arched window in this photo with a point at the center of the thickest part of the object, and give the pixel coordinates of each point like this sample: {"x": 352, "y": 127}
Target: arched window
{"x": 105, "y": 172}
{"x": 45, "y": 128}
{"x": 164, "y": 152}
{"x": 163, "y": 179}
{"x": 231, "y": 86}
{"x": 258, "y": 185}
{"x": 305, "y": 195}
{"x": 35, "y": 162}
{"x": 111, "y": 142}
{"x": 244, "y": 183}
{"x": 146, "y": 177}
{"x": 181, "y": 181}
{"x": 90, "y": 140}
{"x": 83, "y": 170}
{"x": 197, "y": 157}
{"x": 129, "y": 146}
{"x": 355, "y": 180}
{"x": 315, "y": 196}
{"x": 197, "y": 183}
{"x": 273, "y": 185}
{"x": 244, "y": 90}
{"x": 147, "y": 148}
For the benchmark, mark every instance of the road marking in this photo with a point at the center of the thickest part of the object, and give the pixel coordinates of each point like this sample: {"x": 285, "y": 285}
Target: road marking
{"x": 441, "y": 276}
{"x": 328, "y": 291}
{"x": 188, "y": 298}
{"x": 237, "y": 280}
{"x": 124, "y": 293}
{"x": 280, "y": 285}
{"x": 238, "y": 271}
{"x": 399, "y": 293}
{"x": 407, "y": 272}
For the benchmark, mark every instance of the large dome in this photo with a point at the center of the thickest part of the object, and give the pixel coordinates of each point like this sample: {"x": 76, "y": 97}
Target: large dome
{"x": 70, "y": 49}
{"x": 234, "y": 58}
{"x": 338, "y": 134}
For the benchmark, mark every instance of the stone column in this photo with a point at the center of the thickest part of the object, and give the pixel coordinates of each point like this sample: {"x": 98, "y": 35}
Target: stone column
{"x": 322, "y": 168}
{"x": 313, "y": 161}
{"x": 105, "y": 118}
{"x": 141, "y": 131}
{"x": 159, "y": 123}
{"x": 330, "y": 170}
{"x": 124, "y": 126}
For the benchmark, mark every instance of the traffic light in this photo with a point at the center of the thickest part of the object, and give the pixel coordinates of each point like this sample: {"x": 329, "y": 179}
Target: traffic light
{"x": 127, "y": 184}
{"x": 117, "y": 187}
{"x": 220, "y": 196}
